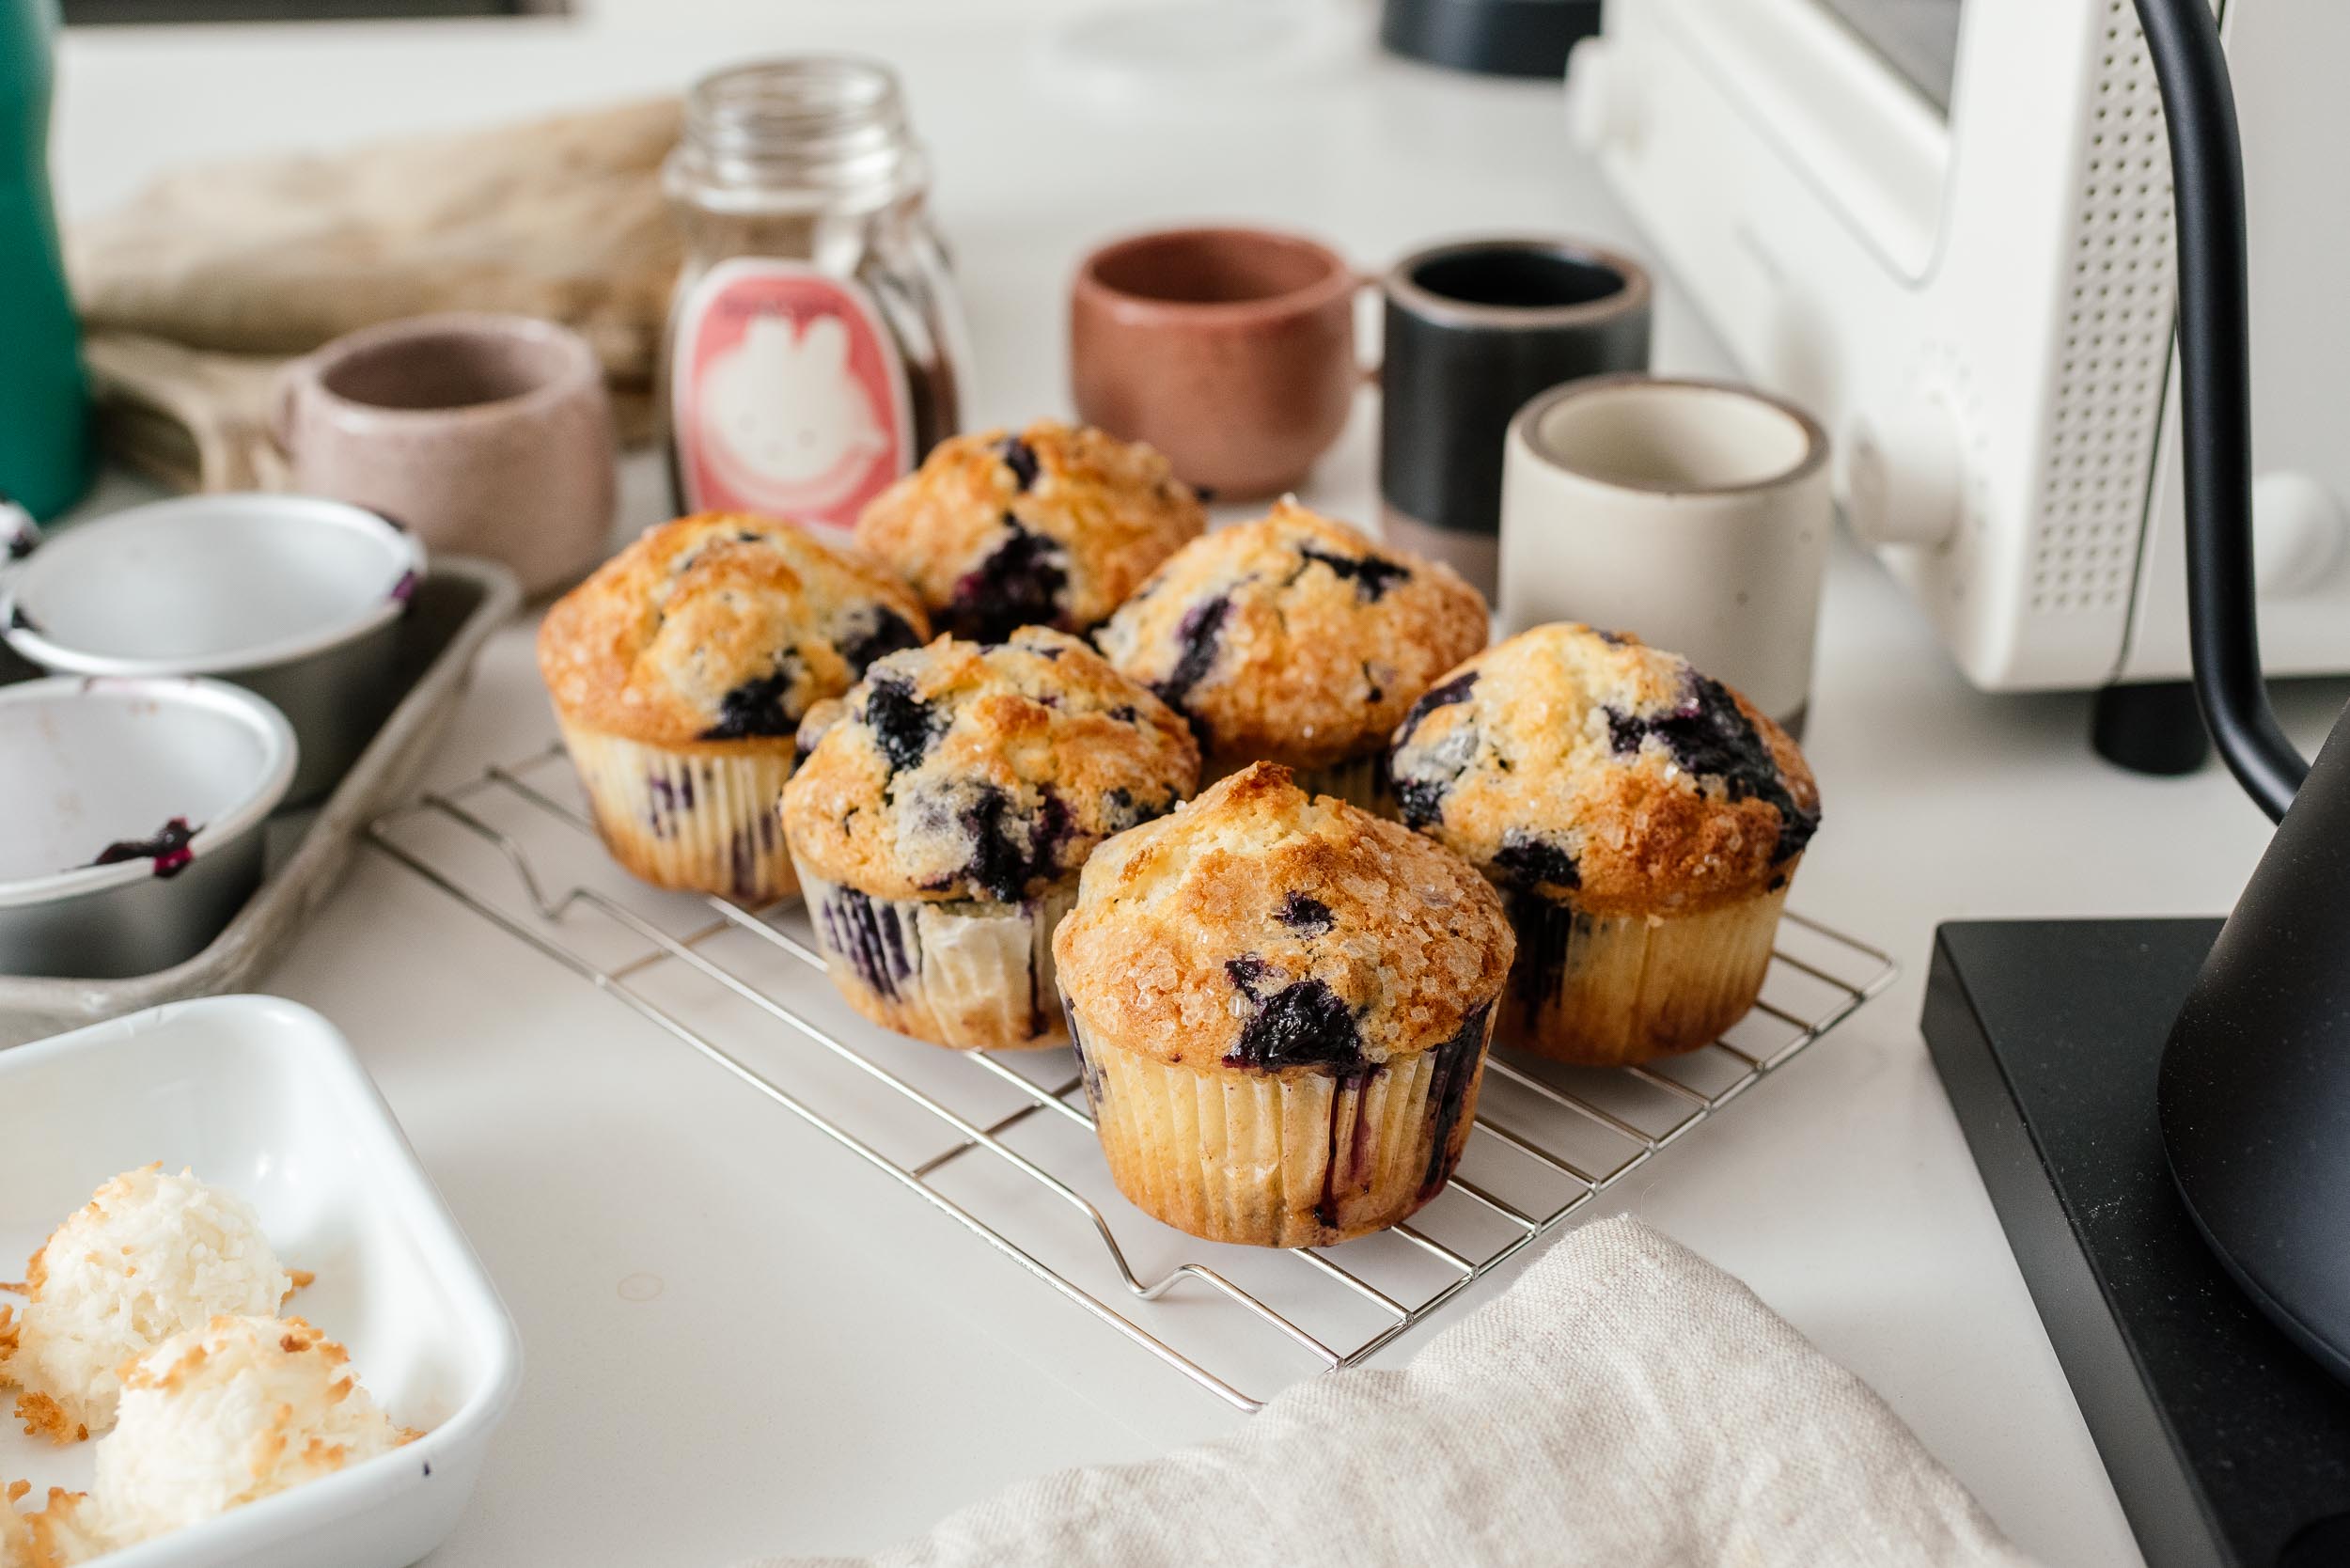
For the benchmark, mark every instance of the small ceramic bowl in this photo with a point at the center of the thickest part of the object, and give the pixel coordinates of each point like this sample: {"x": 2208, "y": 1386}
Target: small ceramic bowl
{"x": 135, "y": 813}
{"x": 287, "y": 596}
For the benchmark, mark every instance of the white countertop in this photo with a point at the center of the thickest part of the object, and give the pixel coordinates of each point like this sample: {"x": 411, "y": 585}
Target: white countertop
{"x": 742, "y": 1341}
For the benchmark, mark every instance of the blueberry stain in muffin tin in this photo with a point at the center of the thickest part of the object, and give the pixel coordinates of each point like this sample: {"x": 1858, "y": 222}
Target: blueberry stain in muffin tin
{"x": 170, "y": 848}
{"x": 1018, "y": 584}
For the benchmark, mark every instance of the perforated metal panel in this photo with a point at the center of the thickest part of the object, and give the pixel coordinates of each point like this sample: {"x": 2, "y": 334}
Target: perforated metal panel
{"x": 2117, "y": 344}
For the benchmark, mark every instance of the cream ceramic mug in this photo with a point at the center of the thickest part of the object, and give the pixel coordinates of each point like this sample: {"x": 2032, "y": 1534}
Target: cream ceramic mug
{"x": 487, "y": 434}
{"x": 1695, "y": 514}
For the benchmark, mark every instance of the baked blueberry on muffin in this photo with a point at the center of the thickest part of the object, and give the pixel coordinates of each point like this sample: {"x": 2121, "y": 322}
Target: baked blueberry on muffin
{"x": 1643, "y": 819}
{"x": 1298, "y": 640}
{"x": 1051, "y": 526}
{"x": 679, "y": 672}
{"x": 941, "y": 815}
{"x": 1283, "y": 1005}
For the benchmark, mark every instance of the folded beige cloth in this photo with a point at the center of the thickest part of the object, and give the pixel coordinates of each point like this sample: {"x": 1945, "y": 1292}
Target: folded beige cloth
{"x": 1626, "y": 1405}
{"x": 196, "y": 291}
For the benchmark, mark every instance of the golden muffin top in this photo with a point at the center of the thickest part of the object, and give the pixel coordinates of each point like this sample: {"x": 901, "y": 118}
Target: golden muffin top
{"x": 720, "y": 629}
{"x": 1294, "y": 638}
{"x": 1051, "y": 526}
{"x": 1604, "y": 774}
{"x": 969, "y": 771}
{"x": 1262, "y": 928}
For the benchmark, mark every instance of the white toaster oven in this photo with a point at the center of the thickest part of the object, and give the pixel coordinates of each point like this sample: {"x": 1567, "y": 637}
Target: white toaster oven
{"x": 1945, "y": 225}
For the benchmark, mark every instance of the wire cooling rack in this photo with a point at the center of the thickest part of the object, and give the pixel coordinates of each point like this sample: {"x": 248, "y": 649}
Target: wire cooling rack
{"x": 1003, "y": 1143}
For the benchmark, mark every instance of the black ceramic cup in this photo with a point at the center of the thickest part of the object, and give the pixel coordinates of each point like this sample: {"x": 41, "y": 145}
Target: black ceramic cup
{"x": 1474, "y": 329}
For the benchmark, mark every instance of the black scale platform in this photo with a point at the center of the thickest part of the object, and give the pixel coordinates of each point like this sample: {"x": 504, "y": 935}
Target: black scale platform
{"x": 2226, "y": 1445}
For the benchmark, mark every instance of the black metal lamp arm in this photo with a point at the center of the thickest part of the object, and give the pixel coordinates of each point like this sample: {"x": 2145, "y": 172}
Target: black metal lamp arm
{"x": 2216, "y": 417}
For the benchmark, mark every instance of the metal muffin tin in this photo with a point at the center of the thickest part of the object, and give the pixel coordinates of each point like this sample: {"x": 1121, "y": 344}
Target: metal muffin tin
{"x": 454, "y": 609}
{"x": 295, "y": 598}
{"x": 91, "y": 764}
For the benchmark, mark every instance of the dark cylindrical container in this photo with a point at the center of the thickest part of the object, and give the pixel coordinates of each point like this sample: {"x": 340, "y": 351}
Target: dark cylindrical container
{"x": 1474, "y": 329}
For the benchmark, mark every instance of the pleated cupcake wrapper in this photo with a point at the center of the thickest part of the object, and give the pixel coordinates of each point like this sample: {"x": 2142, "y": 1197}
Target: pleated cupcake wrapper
{"x": 975, "y": 976}
{"x": 1282, "y": 1159}
{"x": 698, "y": 820}
{"x": 1362, "y": 781}
{"x": 1609, "y": 989}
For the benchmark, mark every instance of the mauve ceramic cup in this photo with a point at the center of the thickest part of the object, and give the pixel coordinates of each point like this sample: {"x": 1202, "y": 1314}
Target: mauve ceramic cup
{"x": 488, "y": 435}
{"x": 1229, "y": 350}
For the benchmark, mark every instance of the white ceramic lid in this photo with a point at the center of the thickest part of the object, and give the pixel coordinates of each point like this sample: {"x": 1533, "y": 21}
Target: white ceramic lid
{"x": 88, "y": 762}
{"x": 207, "y": 585}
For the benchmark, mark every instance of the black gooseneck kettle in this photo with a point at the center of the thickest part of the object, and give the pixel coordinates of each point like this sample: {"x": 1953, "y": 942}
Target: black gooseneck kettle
{"x": 2254, "y": 1094}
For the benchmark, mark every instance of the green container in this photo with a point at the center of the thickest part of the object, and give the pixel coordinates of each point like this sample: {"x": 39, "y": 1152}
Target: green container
{"x": 45, "y": 451}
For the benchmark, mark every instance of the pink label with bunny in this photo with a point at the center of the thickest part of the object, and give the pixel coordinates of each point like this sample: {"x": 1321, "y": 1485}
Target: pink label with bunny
{"x": 786, "y": 395}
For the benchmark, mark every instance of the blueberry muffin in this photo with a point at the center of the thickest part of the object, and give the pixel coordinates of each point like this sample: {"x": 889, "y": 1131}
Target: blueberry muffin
{"x": 679, "y": 673}
{"x": 1281, "y": 1004}
{"x": 1296, "y": 639}
{"x": 941, "y": 814}
{"x": 1643, "y": 820}
{"x": 1052, "y": 526}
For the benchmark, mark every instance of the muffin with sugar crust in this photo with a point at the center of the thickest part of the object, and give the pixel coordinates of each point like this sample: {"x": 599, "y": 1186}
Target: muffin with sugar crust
{"x": 941, "y": 815}
{"x": 1281, "y": 1004}
{"x": 1643, "y": 819}
{"x": 679, "y": 672}
{"x": 1296, "y": 640}
{"x": 1053, "y": 525}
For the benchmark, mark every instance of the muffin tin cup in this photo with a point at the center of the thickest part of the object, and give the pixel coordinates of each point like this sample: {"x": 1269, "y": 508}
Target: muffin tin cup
{"x": 700, "y": 821}
{"x": 968, "y": 974}
{"x": 1359, "y": 781}
{"x": 1299, "y": 1157}
{"x": 1610, "y": 991}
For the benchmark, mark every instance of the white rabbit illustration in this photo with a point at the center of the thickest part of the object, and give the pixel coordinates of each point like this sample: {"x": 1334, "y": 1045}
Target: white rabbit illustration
{"x": 787, "y": 410}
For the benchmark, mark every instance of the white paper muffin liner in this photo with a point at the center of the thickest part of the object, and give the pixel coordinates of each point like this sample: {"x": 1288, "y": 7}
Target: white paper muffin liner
{"x": 969, "y": 974}
{"x": 1605, "y": 991}
{"x": 1299, "y": 1157}
{"x": 702, "y": 821}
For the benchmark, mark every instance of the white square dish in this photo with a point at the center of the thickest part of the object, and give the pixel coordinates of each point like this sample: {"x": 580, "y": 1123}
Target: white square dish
{"x": 264, "y": 1097}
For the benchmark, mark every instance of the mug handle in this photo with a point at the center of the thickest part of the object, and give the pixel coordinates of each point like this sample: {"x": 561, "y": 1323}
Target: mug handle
{"x": 1369, "y": 370}
{"x": 281, "y": 401}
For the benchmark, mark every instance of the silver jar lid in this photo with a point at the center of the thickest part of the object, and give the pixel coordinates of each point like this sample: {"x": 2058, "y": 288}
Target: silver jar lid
{"x": 810, "y": 130}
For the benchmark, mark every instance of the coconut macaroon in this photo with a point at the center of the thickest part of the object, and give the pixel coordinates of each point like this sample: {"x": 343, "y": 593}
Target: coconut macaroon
{"x": 1281, "y": 1004}
{"x": 1644, "y": 819}
{"x": 150, "y": 1255}
{"x": 1051, "y": 526}
{"x": 941, "y": 815}
{"x": 679, "y": 673}
{"x": 1296, "y": 639}
{"x": 226, "y": 1413}
{"x": 60, "y": 1534}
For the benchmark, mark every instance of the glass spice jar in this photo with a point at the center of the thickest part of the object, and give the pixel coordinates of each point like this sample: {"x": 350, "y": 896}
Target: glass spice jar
{"x": 815, "y": 348}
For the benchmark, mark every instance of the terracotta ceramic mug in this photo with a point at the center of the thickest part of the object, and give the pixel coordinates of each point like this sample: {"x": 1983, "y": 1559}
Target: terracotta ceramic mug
{"x": 1229, "y": 350}
{"x": 489, "y": 435}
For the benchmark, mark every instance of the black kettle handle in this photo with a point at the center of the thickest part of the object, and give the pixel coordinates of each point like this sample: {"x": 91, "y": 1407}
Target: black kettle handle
{"x": 2215, "y": 414}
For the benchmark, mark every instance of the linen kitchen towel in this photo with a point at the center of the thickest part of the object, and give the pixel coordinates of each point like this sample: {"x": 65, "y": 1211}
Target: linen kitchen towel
{"x": 1626, "y": 1405}
{"x": 193, "y": 292}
